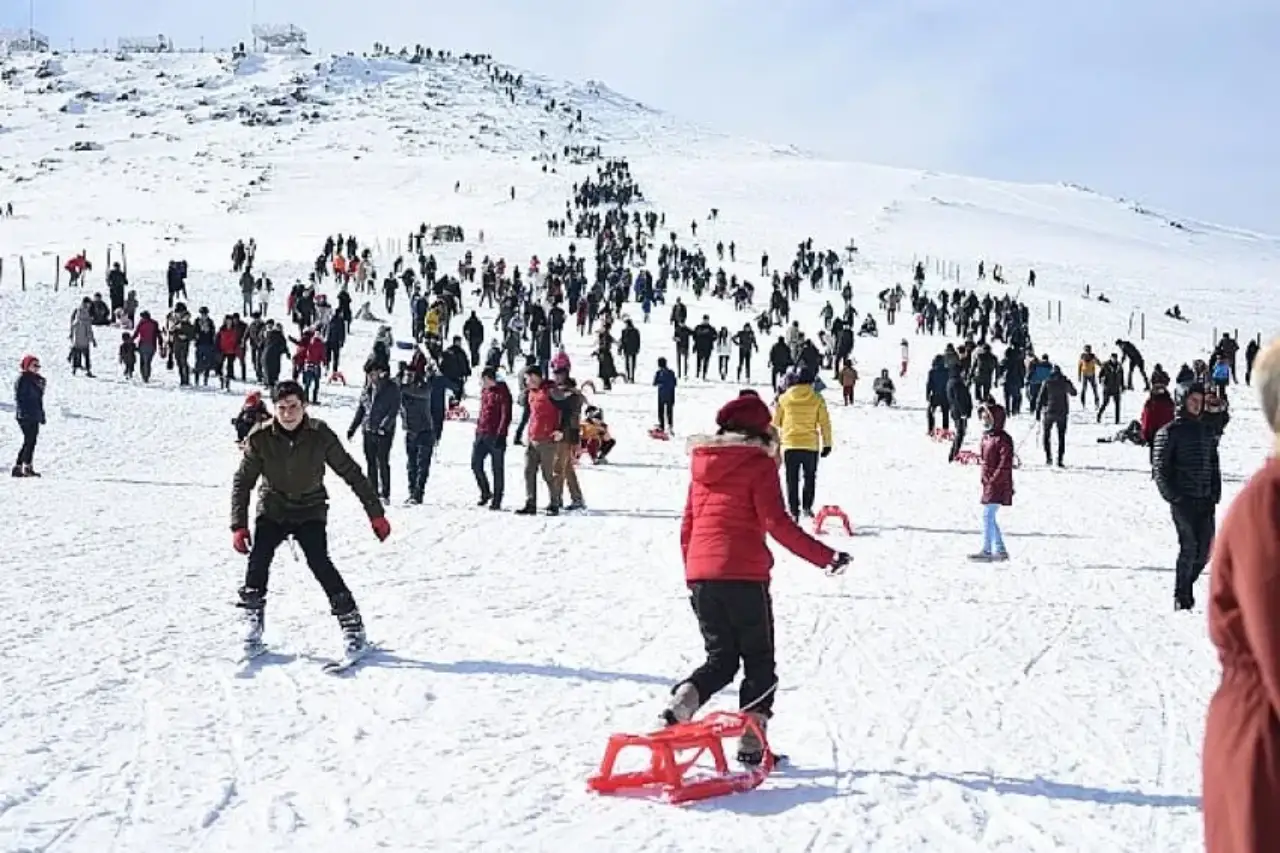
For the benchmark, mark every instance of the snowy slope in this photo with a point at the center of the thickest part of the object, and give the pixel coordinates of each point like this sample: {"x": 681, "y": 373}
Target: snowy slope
{"x": 928, "y": 704}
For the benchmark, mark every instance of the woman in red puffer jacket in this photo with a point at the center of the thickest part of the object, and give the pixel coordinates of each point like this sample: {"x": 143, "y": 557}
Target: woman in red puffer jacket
{"x": 734, "y": 502}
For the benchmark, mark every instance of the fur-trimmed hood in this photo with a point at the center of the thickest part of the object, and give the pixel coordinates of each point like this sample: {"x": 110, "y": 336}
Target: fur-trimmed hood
{"x": 735, "y": 439}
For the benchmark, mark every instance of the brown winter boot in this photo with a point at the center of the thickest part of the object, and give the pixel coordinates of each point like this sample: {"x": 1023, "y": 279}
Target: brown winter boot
{"x": 684, "y": 703}
{"x": 750, "y": 748}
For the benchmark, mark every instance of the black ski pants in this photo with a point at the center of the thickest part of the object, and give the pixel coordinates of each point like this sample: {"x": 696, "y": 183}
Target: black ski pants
{"x": 1108, "y": 397}
{"x": 1195, "y": 523}
{"x": 940, "y": 404}
{"x": 629, "y": 366}
{"x": 30, "y": 433}
{"x": 1050, "y": 423}
{"x": 312, "y": 537}
{"x": 666, "y": 414}
{"x": 377, "y": 462}
{"x": 495, "y": 448}
{"x": 736, "y": 621}
{"x": 958, "y": 441}
{"x": 800, "y": 463}
{"x": 418, "y": 447}
{"x": 744, "y": 364}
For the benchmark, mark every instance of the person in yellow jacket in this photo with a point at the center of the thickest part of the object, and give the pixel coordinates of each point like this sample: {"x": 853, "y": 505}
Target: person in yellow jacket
{"x": 1087, "y": 373}
{"x": 432, "y": 322}
{"x": 804, "y": 426}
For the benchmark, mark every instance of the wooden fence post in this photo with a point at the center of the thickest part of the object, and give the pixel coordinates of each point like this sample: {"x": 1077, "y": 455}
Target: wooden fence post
{"x": 124, "y": 260}
{"x": 108, "y": 269}
{"x": 1, "y": 270}
{"x": 57, "y": 272}
{"x": 22, "y": 270}
{"x": 1144, "y": 325}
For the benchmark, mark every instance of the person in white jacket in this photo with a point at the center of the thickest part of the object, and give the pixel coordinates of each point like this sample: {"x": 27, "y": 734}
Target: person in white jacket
{"x": 724, "y": 349}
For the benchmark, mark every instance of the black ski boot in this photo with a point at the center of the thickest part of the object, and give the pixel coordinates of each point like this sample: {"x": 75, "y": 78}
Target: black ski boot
{"x": 254, "y": 603}
{"x": 353, "y": 639}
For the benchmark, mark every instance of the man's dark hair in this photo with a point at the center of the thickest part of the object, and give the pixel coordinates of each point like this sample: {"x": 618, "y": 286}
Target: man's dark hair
{"x": 288, "y": 388}
{"x": 489, "y": 373}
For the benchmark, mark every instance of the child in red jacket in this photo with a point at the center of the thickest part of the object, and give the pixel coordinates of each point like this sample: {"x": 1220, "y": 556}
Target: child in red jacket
{"x": 734, "y": 501}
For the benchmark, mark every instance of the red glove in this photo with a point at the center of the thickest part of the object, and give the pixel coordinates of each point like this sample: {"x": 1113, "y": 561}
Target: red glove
{"x": 381, "y": 527}
{"x": 240, "y": 540}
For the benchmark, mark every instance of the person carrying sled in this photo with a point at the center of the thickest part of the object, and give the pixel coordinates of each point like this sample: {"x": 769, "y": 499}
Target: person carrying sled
{"x": 252, "y": 413}
{"x": 289, "y": 455}
{"x": 734, "y": 501}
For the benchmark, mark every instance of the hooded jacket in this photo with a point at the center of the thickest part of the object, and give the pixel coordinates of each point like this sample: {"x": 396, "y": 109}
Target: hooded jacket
{"x": 996, "y": 452}
{"x": 802, "y": 419}
{"x": 734, "y": 502}
{"x": 1184, "y": 459}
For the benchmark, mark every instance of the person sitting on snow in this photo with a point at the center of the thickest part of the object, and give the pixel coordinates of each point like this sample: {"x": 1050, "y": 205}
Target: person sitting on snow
{"x": 883, "y": 388}
{"x": 597, "y": 442}
{"x": 868, "y": 328}
{"x": 253, "y": 413}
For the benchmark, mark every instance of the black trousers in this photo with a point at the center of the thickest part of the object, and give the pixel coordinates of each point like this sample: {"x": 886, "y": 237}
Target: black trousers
{"x": 744, "y": 364}
{"x": 1052, "y": 422}
{"x": 629, "y": 366}
{"x": 495, "y": 448}
{"x": 377, "y": 462}
{"x": 30, "y": 432}
{"x": 946, "y": 415}
{"x": 666, "y": 414}
{"x": 798, "y": 463}
{"x": 1195, "y": 524}
{"x": 736, "y": 621}
{"x": 958, "y": 442}
{"x": 418, "y": 447}
{"x": 702, "y": 361}
{"x": 312, "y": 537}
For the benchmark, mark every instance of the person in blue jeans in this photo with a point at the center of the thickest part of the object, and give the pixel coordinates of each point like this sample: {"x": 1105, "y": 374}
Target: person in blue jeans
{"x": 997, "y": 456}
{"x": 665, "y": 381}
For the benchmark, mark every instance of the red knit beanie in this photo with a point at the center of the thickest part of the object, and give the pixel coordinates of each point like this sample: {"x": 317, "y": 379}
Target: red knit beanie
{"x": 746, "y": 414}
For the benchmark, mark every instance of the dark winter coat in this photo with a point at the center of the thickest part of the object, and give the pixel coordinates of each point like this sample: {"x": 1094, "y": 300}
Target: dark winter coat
{"x": 996, "y": 452}
{"x": 665, "y": 381}
{"x": 494, "y": 419}
{"x": 935, "y": 385}
{"x": 291, "y": 468}
{"x": 629, "y": 340}
{"x": 1241, "y": 753}
{"x": 734, "y": 501}
{"x": 1112, "y": 378}
{"x": 1184, "y": 462}
{"x": 1055, "y": 396}
{"x": 28, "y": 398}
{"x": 415, "y": 407}
{"x": 569, "y": 401}
{"x": 378, "y": 407}
{"x": 959, "y": 400}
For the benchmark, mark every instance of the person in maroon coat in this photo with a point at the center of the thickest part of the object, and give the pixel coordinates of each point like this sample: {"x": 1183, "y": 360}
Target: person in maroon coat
{"x": 491, "y": 436}
{"x": 997, "y": 480}
{"x": 734, "y": 501}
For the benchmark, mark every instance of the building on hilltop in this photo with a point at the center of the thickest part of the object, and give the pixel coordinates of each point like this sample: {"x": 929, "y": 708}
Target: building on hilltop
{"x": 23, "y": 41}
{"x": 279, "y": 37}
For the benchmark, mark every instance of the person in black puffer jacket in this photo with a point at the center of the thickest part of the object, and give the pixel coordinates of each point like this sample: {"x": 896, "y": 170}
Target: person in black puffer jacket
{"x": 1055, "y": 404}
{"x": 961, "y": 404}
{"x": 419, "y": 430}
{"x": 1184, "y": 463}
{"x": 376, "y": 414}
{"x": 935, "y": 392}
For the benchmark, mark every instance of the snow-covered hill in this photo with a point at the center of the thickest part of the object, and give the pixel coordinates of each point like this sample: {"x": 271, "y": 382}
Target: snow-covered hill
{"x": 928, "y": 704}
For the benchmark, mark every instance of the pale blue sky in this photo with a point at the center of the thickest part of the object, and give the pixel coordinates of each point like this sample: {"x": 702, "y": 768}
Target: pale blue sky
{"x": 1173, "y": 102}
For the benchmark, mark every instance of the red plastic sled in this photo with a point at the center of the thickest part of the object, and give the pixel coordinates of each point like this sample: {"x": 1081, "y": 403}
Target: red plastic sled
{"x": 457, "y": 413}
{"x": 336, "y": 378}
{"x": 968, "y": 457}
{"x": 666, "y": 771}
{"x": 943, "y": 435}
{"x": 659, "y": 434}
{"x": 831, "y": 511}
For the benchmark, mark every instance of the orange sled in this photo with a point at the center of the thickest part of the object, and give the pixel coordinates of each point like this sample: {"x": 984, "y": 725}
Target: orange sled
{"x": 673, "y": 752}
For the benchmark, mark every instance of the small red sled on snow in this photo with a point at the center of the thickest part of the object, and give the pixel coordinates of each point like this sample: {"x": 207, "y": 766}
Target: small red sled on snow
{"x": 668, "y": 763}
{"x": 457, "y": 412}
{"x": 831, "y": 511}
{"x": 941, "y": 435}
{"x": 660, "y": 434}
{"x": 336, "y": 378}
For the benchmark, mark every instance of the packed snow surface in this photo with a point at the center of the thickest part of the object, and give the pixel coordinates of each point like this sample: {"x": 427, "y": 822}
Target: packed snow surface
{"x": 1054, "y": 702}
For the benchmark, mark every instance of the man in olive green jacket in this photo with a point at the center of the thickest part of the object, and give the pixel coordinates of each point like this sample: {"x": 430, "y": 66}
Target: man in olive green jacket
{"x": 289, "y": 455}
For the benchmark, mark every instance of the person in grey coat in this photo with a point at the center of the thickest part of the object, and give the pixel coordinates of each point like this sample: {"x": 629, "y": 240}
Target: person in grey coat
{"x": 376, "y": 414}
{"x": 82, "y": 339}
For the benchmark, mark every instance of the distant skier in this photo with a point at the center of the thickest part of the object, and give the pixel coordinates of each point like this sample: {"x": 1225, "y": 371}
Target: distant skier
{"x": 289, "y": 454}
{"x": 734, "y": 501}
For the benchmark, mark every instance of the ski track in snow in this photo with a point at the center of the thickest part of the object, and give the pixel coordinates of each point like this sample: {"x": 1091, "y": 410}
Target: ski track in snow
{"x": 1050, "y": 703}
